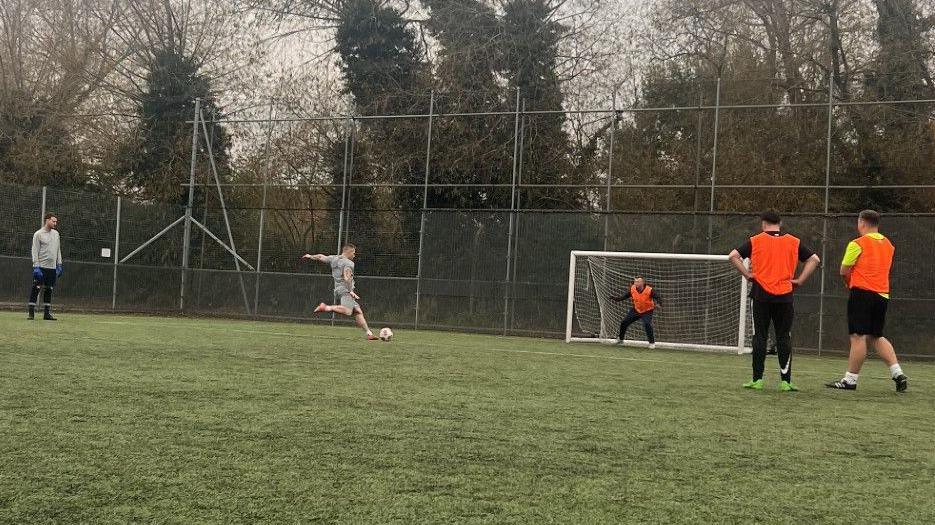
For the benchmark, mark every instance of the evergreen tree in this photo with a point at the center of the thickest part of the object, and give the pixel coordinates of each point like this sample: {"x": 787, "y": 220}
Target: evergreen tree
{"x": 477, "y": 149}
{"x": 157, "y": 158}
{"x": 530, "y": 62}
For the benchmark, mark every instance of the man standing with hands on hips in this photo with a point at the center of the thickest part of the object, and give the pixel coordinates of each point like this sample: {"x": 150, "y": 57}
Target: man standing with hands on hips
{"x": 774, "y": 256}
{"x": 46, "y": 265}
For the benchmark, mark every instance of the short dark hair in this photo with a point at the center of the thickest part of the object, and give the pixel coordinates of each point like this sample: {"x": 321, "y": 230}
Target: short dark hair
{"x": 347, "y": 245}
{"x": 871, "y": 217}
{"x": 48, "y": 216}
{"x": 771, "y": 217}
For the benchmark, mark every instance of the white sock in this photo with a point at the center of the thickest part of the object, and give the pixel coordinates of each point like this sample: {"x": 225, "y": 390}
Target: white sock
{"x": 896, "y": 371}
{"x": 850, "y": 378}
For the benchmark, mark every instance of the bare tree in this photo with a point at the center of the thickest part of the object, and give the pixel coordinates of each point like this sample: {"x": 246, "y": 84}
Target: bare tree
{"x": 55, "y": 55}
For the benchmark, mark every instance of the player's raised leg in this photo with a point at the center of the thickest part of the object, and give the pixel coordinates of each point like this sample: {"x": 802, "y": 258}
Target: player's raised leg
{"x": 336, "y": 308}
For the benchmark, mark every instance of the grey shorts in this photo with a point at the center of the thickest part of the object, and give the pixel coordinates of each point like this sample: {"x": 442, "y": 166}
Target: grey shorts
{"x": 348, "y": 302}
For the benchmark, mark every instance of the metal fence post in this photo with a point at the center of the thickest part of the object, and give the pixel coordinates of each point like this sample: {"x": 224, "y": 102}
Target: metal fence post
{"x": 711, "y": 206}
{"x": 697, "y": 184}
{"x": 42, "y": 212}
{"x": 349, "y": 182}
{"x": 227, "y": 225}
{"x": 610, "y": 170}
{"x": 259, "y": 240}
{"x": 509, "y": 239}
{"x": 710, "y": 236}
{"x": 519, "y": 213}
{"x": 425, "y": 200}
{"x": 113, "y": 300}
{"x": 824, "y": 217}
{"x": 345, "y": 190}
{"x": 345, "y": 167}
{"x": 187, "y": 237}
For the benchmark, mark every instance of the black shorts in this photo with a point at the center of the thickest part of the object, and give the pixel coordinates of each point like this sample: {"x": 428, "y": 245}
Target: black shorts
{"x": 866, "y": 313}
{"x": 48, "y": 278}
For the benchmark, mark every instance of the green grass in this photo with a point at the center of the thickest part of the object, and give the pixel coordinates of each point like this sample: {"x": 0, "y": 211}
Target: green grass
{"x": 107, "y": 419}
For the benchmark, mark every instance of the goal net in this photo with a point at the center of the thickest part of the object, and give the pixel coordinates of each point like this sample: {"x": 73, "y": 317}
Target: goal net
{"x": 702, "y": 300}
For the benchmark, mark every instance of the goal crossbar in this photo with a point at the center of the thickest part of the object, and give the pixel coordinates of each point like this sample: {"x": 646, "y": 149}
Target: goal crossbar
{"x": 741, "y": 345}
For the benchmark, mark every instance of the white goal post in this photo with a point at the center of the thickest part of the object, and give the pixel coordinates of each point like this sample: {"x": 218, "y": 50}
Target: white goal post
{"x": 702, "y": 300}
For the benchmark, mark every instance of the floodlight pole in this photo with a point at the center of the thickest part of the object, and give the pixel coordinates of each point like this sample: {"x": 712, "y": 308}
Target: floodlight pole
{"x": 425, "y": 203}
{"x": 187, "y": 237}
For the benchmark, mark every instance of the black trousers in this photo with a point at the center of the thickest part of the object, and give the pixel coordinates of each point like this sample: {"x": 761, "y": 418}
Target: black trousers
{"x": 780, "y": 315}
{"x": 632, "y": 317}
{"x": 48, "y": 282}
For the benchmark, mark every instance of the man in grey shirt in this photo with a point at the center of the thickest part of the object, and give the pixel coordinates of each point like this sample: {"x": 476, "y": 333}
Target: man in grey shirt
{"x": 46, "y": 265}
{"x": 342, "y": 271}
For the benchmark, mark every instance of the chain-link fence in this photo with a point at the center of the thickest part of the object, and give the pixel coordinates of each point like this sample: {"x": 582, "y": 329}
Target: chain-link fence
{"x": 464, "y": 216}
{"x": 488, "y": 271}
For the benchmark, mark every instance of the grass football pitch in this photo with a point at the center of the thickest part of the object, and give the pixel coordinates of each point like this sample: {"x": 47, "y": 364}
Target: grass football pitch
{"x": 121, "y": 419}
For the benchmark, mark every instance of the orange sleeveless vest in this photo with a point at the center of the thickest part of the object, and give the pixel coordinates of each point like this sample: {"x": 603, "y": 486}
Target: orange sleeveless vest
{"x": 642, "y": 301}
{"x": 872, "y": 270}
{"x": 773, "y": 261}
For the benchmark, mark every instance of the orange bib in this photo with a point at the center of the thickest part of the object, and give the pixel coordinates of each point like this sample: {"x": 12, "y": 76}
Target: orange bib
{"x": 872, "y": 270}
{"x": 642, "y": 301}
{"x": 773, "y": 261}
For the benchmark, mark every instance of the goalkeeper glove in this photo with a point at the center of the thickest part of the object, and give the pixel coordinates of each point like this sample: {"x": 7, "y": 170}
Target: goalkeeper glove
{"x": 58, "y": 270}
{"x": 37, "y": 273}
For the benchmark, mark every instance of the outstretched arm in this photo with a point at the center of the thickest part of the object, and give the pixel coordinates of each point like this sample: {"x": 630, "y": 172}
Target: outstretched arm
{"x": 317, "y": 257}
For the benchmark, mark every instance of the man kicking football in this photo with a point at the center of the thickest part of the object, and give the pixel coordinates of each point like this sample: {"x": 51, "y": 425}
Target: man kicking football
{"x": 342, "y": 270}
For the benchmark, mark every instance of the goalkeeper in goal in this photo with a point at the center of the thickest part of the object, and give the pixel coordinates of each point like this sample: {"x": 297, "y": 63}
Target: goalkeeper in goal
{"x": 645, "y": 300}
